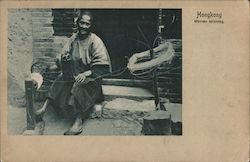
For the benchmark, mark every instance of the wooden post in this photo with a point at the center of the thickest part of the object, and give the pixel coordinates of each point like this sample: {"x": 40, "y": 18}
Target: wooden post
{"x": 159, "y": 102}
{"x": 29, "y": 93}
{"x": 155, "y": 84}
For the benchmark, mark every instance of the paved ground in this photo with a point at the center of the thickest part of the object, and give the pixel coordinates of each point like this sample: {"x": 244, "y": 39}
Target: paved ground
{"x": 120, "y": 117}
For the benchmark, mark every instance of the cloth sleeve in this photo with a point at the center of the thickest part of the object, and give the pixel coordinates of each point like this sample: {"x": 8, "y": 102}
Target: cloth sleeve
{"x": 99, "y": 53}
{"x": 99, "y": 70}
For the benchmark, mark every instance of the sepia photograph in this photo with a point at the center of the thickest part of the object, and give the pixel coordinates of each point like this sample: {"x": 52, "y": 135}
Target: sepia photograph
{"x": 95, "y": 71}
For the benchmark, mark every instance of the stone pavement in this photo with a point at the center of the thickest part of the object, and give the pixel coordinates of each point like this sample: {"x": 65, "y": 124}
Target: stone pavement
{"x": 120, "y": 117}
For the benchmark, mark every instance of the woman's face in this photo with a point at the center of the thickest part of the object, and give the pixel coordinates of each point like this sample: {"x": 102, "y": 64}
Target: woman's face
{"x": 84, "y": 24}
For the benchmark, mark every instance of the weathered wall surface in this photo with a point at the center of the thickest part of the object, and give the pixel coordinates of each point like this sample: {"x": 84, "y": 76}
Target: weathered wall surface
{"x": 19, "y": 45}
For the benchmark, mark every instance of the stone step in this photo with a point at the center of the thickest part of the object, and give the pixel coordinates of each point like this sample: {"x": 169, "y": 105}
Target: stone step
{"x": 135, "y": 93}
{"x": 123, "y": 104}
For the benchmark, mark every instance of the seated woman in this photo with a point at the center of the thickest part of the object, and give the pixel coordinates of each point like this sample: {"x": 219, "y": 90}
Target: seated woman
{"x": 90, "y": 59}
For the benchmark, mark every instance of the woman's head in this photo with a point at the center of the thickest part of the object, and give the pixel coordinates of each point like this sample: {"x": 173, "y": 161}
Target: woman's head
{"x": 84, "y": 22}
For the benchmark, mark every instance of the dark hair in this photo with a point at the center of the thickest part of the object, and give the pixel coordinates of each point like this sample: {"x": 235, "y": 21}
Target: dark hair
{"x": 84, "y": 13}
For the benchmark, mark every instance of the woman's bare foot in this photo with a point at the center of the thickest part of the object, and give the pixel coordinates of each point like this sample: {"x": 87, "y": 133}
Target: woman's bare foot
{"x": 45, "y": 106}
{"x": 76, "y": 127}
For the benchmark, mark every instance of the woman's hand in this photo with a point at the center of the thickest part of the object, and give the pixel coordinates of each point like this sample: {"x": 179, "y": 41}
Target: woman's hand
{"x": 80, "y": 78}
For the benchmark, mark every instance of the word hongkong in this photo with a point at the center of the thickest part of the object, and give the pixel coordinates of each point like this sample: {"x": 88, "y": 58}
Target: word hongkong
{"x": 208, "y": 15}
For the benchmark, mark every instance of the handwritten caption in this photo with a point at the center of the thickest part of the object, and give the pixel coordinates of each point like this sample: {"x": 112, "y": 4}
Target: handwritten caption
{"x": 209, "y": 17}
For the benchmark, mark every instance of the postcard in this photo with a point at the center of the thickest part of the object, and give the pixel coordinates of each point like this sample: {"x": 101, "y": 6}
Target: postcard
{"x": 124, "y": 81}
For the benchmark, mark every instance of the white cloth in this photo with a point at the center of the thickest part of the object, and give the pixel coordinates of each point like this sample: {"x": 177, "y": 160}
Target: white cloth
{"x": 38, "y": 78}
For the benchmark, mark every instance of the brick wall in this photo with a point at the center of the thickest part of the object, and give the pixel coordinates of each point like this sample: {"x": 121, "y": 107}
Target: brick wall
{"x": 45, "y": 44}
{"x": 63, "y": 22}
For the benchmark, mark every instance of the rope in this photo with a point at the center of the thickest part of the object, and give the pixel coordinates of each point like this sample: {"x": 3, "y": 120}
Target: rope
{"x": 119, "y": 72}
{"x": 158, "y": 73}
{"x": 166, "y": 53}
{"x": 167, "y": 72}
{"x": 143, "y": 73}
{"x": 122, "y": 71}
{"x": 144, "y": 37}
